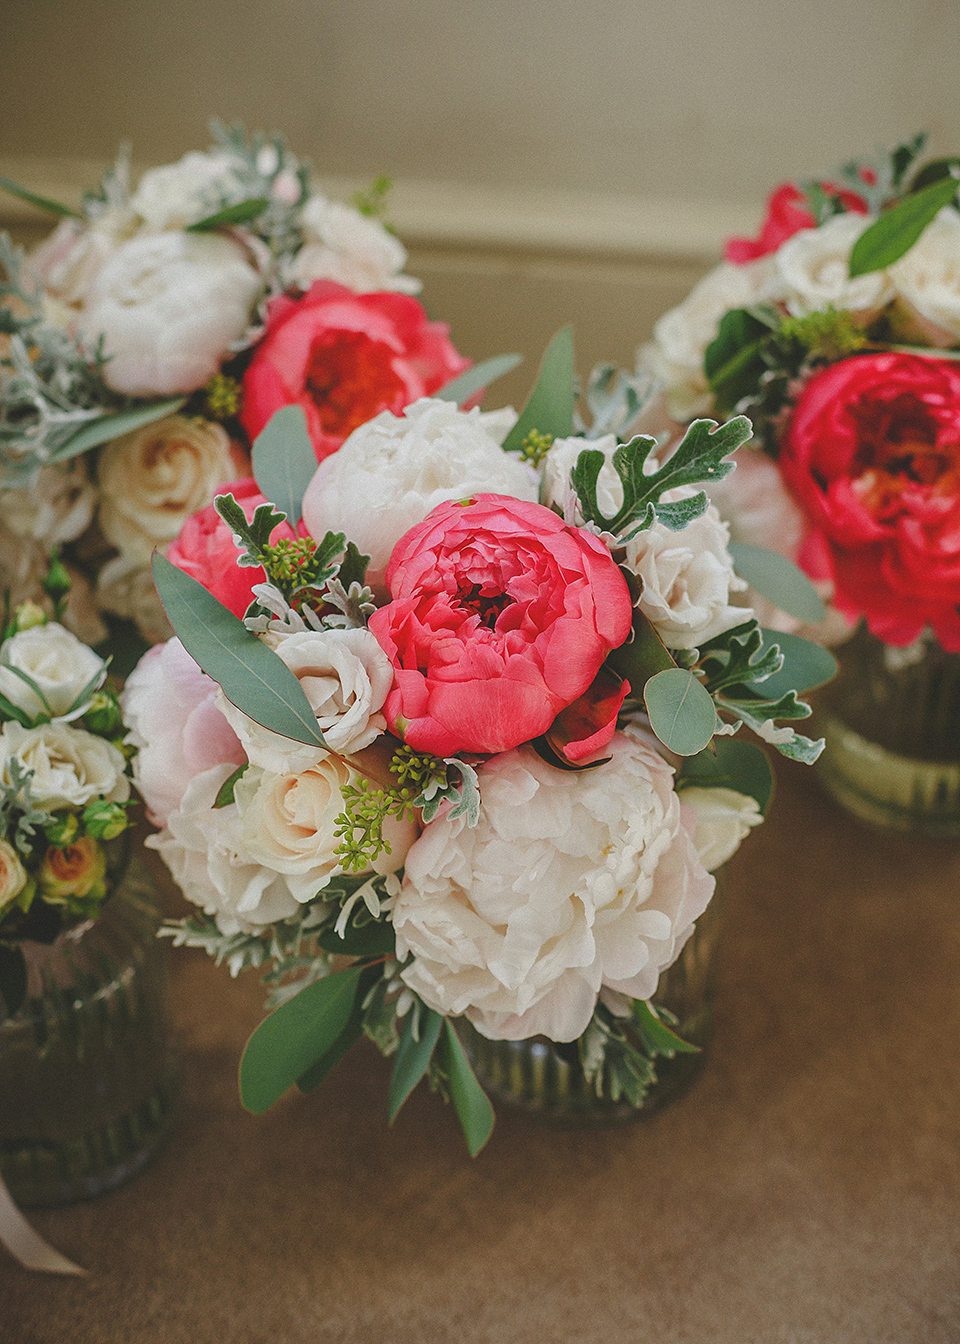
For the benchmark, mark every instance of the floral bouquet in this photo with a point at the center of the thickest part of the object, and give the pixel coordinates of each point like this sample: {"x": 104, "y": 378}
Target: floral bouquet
{"x": 151, "y": 337}
{"x": 474, "y": 732}
{"x": 837, "y": 330}
{"x": 64, "y": 785}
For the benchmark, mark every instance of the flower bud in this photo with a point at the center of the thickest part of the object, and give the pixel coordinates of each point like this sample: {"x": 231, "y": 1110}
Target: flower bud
{"x": 104, "y": 820}
{"x": 76, "y": 870}
{"x": 63, "y": 829}
{"x": 25, "y": 617}
{"x": 57, "y": 582}
{"x": 103, "y": 717}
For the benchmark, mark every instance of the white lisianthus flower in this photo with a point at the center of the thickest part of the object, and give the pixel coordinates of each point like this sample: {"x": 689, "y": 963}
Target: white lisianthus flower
{"x": 178, "y": 194}
{"x": 812, "y": 271}
{"x": 13, "y": 875}
{"x": 345, "y": 676}
{"x": 570, "y": 883}
{"x": 58, "y": 665}
{"x": 687, "y": 578}
{"x": 557, "y": 491}
{"x": 681, "y": 335}
{"x": 153, "y": 478}
{"x": 71, "y": 258}
{"x": 204, "y": 850}
{"x": 70, "y": 766}
{"x": 391, "y": 472}
{"x": 167, "y": 306}
{"x": 170, "y": 711}
{"x": 342, "y": 244}
{"x": 724, "y": 818}
{"x": 927, "y": 279}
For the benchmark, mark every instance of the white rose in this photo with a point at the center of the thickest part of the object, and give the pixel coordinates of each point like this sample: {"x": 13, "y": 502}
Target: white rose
{"x": 570, "y": 882}
{"x": 812, "y": 271}
{"x": 687, "y": 578}
{"x": 723, "y": 818}
{"x": 557, "y": 490}
{"x": 927, "y": 279}
{"x": 681, "y": 335}
{"x": 59, "y": 666}
{"x": 168, "y": 306}
{"x": 178, "y": 194}
{"x": 72, "y": 257}
{"x": 204, "y": 850}
{"x": 342, "y": 244}
{"x": 70, "y": 766}
{"x": 170, "y": 710}
{"x": 152, "y": 479}
{"x": 390, "y": 473}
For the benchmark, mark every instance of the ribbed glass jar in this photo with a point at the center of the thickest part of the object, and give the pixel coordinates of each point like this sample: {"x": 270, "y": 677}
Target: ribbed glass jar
{"x": 87, "y": 1070}
{"x": 540, "y": 1077}
{"x": 891, "y": 719}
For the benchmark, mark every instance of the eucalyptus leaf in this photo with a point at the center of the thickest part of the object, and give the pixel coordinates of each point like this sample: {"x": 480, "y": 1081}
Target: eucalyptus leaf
{"x": 550, "y": 407}
{"x": 805, "y": 665}
{"x": 897, "y": 229}
{"x": 376, "y": 938}
{"x": 730, "y": 764}
{"x": 284, "y": 461}
{"x": 107, "y": 427}
{"x": 779, "y": 580}
{"x": 934, "y": 171}
{"x": 732, "y": 361}
{"x": 681, "y": 711}
{"x": 478, "y": 376}
{"x": 353, "y": 1029}
{"x": 41, "y": 202}
{"x": 471, "y": 1102}
{"x": 413, "y": 1055}
{"x": 294, "y": 1037}
{"x": 241, "y": 213}
{"x": 225, "y": 793}
{"x": 252, "y": 676}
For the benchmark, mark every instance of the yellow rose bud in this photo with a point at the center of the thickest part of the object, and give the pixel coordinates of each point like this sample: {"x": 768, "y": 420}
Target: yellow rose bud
{"x": 13, "y": 875}
{"x": 77, "y": 870}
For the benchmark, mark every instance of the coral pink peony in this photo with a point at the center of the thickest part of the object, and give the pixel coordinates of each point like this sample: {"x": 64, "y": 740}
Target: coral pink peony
{"x": 205, "y": 549}
{"x": 345, "y": 357}
{"x": 872, "y": 452}
{"x": 502, "y": 616}
{"x": 787, "y": 214}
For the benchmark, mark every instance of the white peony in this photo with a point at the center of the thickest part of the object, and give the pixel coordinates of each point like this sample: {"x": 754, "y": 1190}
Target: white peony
{"x": 723, "y": 819}
{"x": 153, "y": 478}
{"x": 927, "y": 279}
{"x": 681, "y": 335}
{"x": 812, "y": 271}
{"x": 70, "y": 766}
{"x": 570, "y": 882}
{"x": 170, "y": 711}
{"x": 74, "y": 254}
{"x": 178, "y": 194}
{"x": 60, "y": 669}
{"x": 205, "y": 851}
{"x": 390, "y": 473}
{"x": 557, "y": 492}
{"x": 345, "y": 675}
{"x": 342, "y": 244}
{"x": 687, "y": 578}
{"x": 168, "y": 306}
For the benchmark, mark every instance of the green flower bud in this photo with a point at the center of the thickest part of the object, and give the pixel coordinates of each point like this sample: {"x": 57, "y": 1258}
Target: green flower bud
{"x": 103, "y": 820}
{"x": 25, "y": 617}
{"x": 103, "y": 717}
{"x": 57, "y": 582}
{"x": 63, "y": 829}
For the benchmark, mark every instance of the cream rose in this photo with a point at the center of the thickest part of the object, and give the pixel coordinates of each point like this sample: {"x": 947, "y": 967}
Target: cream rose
{"x": 13, "y": 875}
{"x": 723, "y": 818}
{"x": 391, "y": 472}
{"x": 812, "y": 271}
{"x": 342, "y": 244}
{"x": 70, "y": 766}
{"x": 178, "y": 194}
{"x": 152, "y": 479}
{"x": 60, "y": 667}
{"x": 205, "y": 851}
{"x": 927, "y": 279}
{"x": 571, "y": 882}
{"x": 687, "y": 578}
{"x": 167, "y": 307}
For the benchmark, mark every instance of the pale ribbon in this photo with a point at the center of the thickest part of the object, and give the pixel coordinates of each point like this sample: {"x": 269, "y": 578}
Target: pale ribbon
{"x": 26, "y": 1245}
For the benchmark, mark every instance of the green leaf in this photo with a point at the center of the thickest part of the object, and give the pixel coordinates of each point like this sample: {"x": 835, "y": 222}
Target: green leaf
{"x": 252, "y": 676}
{"x": 642, "y": 657}
{"x": 107, "y": 427}
{"x": 730, "y": 764}
{"x": 732, "y": 361}
{"x": 413, "y": 1055}
{"x": 225, "y": 794}
{"x": 284, "y": 461}
{"x": 550, "y": 408}
{"x": 250, "y": 537}
{"x": 779, "y": 580}
{"x": 42, "y": 202}
{"x": 241, "y": 213}
{"x": 471, "y": 1102}
{"x": 13, "y": 978}
{"x": 934, "y": 171}
{"x": 463, "y": 387}
{"x": 897, "y": 229}
{"x": 295, "y": 1037}
{"x": 681, "y": 711}
{"x": 376, "y": 938}
{"x": 805, "y": 665}
{"x": 353, "y": 566}
{"x": 352, "y": 1031}
{"x": 658, "y": 1039}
